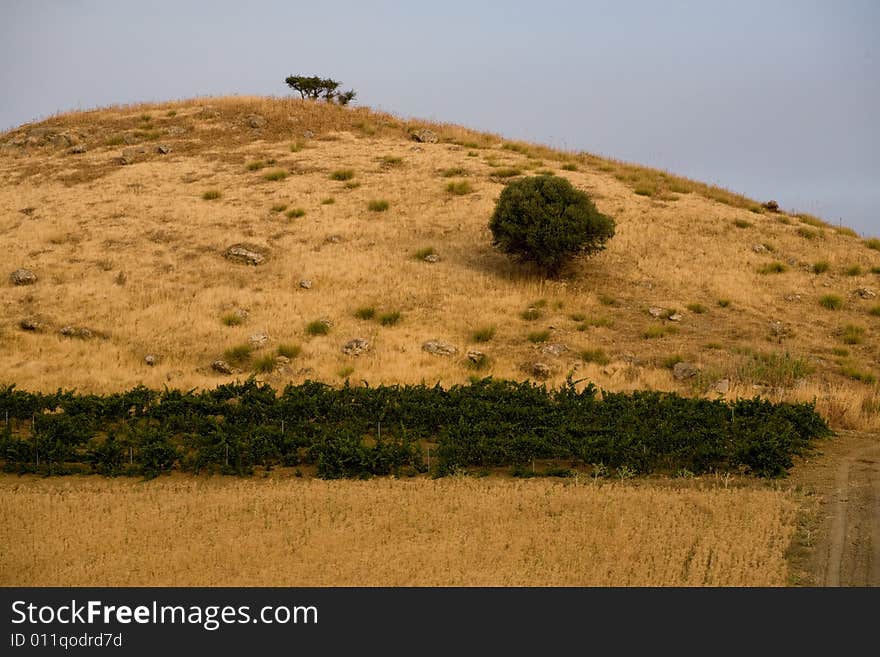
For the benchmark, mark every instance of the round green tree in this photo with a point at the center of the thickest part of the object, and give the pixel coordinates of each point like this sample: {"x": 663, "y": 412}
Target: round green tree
{"x": 545, "y": 220}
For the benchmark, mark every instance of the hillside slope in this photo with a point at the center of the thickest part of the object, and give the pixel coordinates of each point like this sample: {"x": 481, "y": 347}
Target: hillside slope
{"x": 124, "y": 216}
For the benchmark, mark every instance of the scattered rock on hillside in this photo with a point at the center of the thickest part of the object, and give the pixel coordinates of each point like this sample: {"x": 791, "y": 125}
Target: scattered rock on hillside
{"x": 432, "y": 258}
{"x": 792, "y": 297}
{"x": 80, "y": 332}
{"x": 244, "y": 253}
{"x": 539, "y": 370}
{"x": 33, "y": 324}
{"x": 722, "y": 386}
{"x": 258, "y": 339}
{"x": 132, "y": 154}
{"x": 223, "y": 367}
{"x": 356, "y": 347}
{"x": 255, "y": 121}
{"x": 23, "y": 277}
{"x": 656, "y": 311}
{"x": 305, "y": 284}
{"x": 554, "y": 349}
{"x": 425, "y": 136}
{"x": 151, "y": 359}
{"x": 865, "y": 293}
{"x": 439, "y": 348}
{"x": 685, "y": 370}
{"x": 773, "y": 206}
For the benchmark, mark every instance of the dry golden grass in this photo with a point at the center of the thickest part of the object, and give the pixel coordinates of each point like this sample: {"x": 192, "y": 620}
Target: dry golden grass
{"x": 178, "y": 531}
{"x": 133, "y": 251}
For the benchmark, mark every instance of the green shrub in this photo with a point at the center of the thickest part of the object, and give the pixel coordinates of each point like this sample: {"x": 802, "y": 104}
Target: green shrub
{"x": 506, "y": 172}
{"x": 873, "y": 243}
{"x": 378, "y": 205}
{"x": 597, "y": 356}
{"x": 772, "y": 268}
{"x": 742, "y": 223}
{"x": 342, "y": 175}
{"x": 724, "y": 303}
{"x": 256, "y": 166}
{"x": 644, "y": 191}
{"x": 454, "y": 172}
{"x": 232, "y": 319}
{"x": 854, "y": 270}
{"x": 366, "y": 312}
{"x": 607, "y": 300}
{"x": 318, "y": 327}
{"x": 424, "y": 252}
{"x": 569, "y": 166}
{"x": 265, "y": 364}
{"x": 392, "y": 161}
{"x": 853, "y": 334}
{"x": 211, "y": 195}
{"x": 539, "y": 336}
{"x": 289, "y": 350}
{"x": 278, "y": 207}
{"x": 657, "y": 331}
{"x": 483, "y": 334}
{"x": 239, "y": 354}
{"x": 389, "y": 318}
{"x": 831, "y": 302}
{"x": 852, "y": 372}
{"x": 328, "y": 201}
{"x": 773, "y": 369}
{"x": 821, "y": 267}
{"x": 577, "y": 317}
{"x": 459, "y": 188}
{"x": 531, "y": 314}
{"x": 696, "y": 308}
{"x": 275, "y": 175}
{"x": 806, "y": 233}
{"x": 295, "y": 213}
{"x": 875, "y": 311}
{"x": 545, "y": 220}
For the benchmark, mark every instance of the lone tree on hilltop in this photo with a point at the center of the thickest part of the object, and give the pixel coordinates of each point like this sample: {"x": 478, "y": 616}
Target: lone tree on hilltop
{"x": 315, "y": 87}
{"x": 543, "y": 219}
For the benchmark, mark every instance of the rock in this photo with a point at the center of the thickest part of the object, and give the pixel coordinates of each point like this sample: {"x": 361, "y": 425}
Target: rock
{"x": 865, "y": 293}
{"x": 223, "y": 367}
{"x": 683, "y": 371}
{"x": 476, "y": 356}
{"x": 439, "y": 348}
{"x": 31, "y": 324}
{"x": 308, "y": 134}
{"x": 175, "y": 130}
{"x": 162, "y": 149}
{"x": 356, "y": 347}
{"x": 241, "y": 313}
{"x": 305, "y": 284}
{"x": 759, "y": 248}
{"x": 76, "y": 332}
{"x": 131, "y": 155}
{"x": 61, "y": 140}
{"x": 258, "y": 339}
{"x": 333, "y": 239}
{"x": 554, "y": 349}
{"x": 425, "y": 136}
{"x": 79, "y": 149}
{"x": 773, "y": 206}
{"x": 23, "y": 277}
{"x": 432, "y": 258}
{"x": 674, "y": 317}
{"x": 151, "y": 359}
{"x": 722, "y": 386}
{"x": 792, "y": 297}
{"x": 281, "y": 361}
{"x": 656, "y": 311}
{"x": 539, "y": 370}
{"x": 255, "y": 121}
{"x": 244, "y": 253}
{"x": 777, "y": 328}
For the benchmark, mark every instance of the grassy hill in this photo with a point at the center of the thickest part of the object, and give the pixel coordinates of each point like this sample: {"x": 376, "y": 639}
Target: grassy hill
{"x": 125, "y": 215}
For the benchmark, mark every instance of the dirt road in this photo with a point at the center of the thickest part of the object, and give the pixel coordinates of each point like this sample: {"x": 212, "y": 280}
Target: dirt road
{"x": 839, "y": 541}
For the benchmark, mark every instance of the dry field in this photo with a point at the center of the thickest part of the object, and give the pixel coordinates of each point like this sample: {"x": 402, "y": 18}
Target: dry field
{"x": 183, "y": 531}
{"x": 132, "y": 252}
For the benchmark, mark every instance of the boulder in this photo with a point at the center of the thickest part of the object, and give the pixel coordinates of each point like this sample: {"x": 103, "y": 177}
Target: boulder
{"x": 773, "y": 206}
{"x": 439, "y": 348}
{"x": 132, "y": 154}
{"x": 432, "y": 258}
{"x": 223, "y": 367}
{"x": 244, "y": 253}
{"x": 305, "y": 284}
{"x": 722, "y": 386}
{"x": 23, "y": 277}
{"x": 163, "y": 149}
{"x": 476, "y": 356}
{"x": 79, "y": 149}
{"x": 674, "y": 317}
{"x": 865, "y": 293}
{"x": 356, "y": 347}
{"x": 80, "y": 332}
{"x": 685, "y": 370}
{"x": 255, "y": 121}
{"x": 792, "y": 297}
{"x": 258, "y": 339}
{"x": 33, "y": 324}
{"x": 539, "y": 370}
{"x": 554, "y": 349}
{"x": 759, "y": 248}
{"x": 425, "y": 136}
{"x": 151, "y": 359}
{"x": 656, "y": 311}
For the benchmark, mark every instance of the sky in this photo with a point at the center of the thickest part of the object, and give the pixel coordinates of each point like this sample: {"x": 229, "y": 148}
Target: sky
{"x": 774, "y": 99}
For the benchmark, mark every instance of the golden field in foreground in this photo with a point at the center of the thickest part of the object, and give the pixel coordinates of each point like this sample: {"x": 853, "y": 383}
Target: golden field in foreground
{"x": 126, "y": 241}
{"x": 183, "y": 531}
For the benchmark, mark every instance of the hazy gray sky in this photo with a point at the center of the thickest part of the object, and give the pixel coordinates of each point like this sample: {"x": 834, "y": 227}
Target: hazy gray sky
{"x": 770, "y": 98}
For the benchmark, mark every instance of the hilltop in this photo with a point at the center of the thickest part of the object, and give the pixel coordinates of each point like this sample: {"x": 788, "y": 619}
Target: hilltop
{"x": 366, "y": 227}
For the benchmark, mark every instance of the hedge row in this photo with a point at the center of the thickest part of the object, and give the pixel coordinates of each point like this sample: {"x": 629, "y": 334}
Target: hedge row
{"x": 363, "y": 431}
